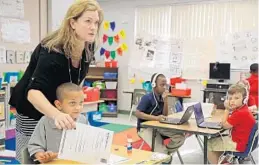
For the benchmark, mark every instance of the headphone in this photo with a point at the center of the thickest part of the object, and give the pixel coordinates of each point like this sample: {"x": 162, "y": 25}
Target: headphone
{"x": 246, "y": 98}
{"x": 154, "y": 79}
{"x": 153, "y": 84}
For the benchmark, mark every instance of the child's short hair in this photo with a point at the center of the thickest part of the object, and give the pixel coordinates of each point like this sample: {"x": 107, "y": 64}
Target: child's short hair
{"x": 237, "y": 88}
{"x": 66, "y": 87}
{"x": 254, "y": 68}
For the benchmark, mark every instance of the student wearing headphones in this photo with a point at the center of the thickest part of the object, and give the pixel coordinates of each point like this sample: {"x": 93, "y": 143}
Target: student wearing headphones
{"x": 241, "y": 122}
{"x": 154, "y": 106}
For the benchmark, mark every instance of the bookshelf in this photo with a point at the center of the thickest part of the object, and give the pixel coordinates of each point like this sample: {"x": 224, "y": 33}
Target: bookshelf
{"x": 97, "y": 74}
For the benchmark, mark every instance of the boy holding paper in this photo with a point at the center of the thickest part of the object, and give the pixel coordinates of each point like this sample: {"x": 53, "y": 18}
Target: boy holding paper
{"x": 44, "y": 143}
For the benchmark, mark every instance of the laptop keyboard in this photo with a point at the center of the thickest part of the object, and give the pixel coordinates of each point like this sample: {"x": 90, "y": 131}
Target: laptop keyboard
{"x": 172, "y": 120}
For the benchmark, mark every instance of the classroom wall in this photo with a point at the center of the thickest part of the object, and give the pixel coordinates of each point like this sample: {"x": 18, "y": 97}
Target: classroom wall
{"x": 35, "y": 11}
{"x": 123, "y": 12}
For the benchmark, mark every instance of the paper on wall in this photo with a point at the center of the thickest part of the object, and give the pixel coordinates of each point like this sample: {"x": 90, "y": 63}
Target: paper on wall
{"x": 86, "y": 144}
{"x": 14, "y": 30}
{"x": 12, "y": 8}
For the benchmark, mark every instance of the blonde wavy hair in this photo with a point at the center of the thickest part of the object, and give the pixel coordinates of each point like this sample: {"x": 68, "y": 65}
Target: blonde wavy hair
{"x": 64, "y": 39}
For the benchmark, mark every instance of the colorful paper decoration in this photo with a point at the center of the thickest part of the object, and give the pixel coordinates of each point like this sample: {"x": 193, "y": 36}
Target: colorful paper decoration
{"x": 124, "y": 47}
{"x": 106, "y": 25}
{"x": 112, "y": 24}
{"x": 117, "y": 38}
{"x": 107, "y": 54}
{"x": 105, "y": 37}
{"x": 122, "y": 34}
{"x": 132, "y": 80}
{"x": 119, "y": 51}
{"x": 102, "y": 51}
{"x": 110, "y": 40}
{"x": 113, "y": 54}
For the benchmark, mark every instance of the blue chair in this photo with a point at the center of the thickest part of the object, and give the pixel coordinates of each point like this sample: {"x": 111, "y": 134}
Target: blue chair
{"x": 251, "y": 146}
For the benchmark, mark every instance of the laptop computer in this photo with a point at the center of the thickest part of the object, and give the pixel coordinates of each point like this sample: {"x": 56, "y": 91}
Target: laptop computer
{"x": 200, "y": 119}
{"x": 186, "y": 116}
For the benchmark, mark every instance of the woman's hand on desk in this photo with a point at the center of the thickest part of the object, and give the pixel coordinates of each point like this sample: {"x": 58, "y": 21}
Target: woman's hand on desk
{"x": 44, "y": 157}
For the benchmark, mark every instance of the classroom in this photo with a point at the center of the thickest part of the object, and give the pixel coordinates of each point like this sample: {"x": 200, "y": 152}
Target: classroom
{"x": 129, "y": 82}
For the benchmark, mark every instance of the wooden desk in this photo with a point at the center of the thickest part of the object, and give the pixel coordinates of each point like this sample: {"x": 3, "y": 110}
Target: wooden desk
{"x": 90, "y": 106}
{"x": 137, "y": 156}
{"x": 189, "y": 127}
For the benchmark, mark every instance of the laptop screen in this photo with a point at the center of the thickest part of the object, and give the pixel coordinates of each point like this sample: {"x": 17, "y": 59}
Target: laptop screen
{"x": 198, "y": 113}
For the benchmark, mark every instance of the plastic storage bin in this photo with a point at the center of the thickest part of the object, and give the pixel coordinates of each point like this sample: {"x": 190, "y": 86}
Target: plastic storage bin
{"x": 181, "y": 92}
{"x": 110, "y": 75}
{"x": 88, "y": 83}
{"x": 175, "y": 80}
{"x": 99, "y": 84}
{"x": 111, "y": 94}
{"x": 102, "y": 107}
{"x": 91, "y": 94}
{"x": 111, "y": 64}
{"x": 111, "y": 85}
{"x": 112, "y": 108}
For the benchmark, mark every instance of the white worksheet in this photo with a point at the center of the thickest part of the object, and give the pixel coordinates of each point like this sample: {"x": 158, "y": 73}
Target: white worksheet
{"x": 86, "y": 144}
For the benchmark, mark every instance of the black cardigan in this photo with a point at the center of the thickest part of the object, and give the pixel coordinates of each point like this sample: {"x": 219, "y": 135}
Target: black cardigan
{"x": 45, "y": 72}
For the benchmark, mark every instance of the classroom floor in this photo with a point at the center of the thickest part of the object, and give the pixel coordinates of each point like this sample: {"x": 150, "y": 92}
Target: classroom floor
{"x": 190, "y": 151}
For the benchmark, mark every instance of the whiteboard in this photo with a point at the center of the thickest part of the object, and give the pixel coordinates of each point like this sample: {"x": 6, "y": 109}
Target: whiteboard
{"x": 57, "y": 12}
{"x": 240, "y": 49}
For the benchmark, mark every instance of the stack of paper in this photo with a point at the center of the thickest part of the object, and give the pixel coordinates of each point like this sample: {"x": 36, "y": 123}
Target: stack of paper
{"x": 86, "y": 144}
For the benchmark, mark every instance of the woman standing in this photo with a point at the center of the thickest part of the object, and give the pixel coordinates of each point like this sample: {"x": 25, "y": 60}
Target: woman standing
{"x": 62, "y": 56}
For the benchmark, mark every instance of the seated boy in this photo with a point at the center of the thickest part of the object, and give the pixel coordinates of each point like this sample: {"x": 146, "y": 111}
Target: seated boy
{"x": 253, "y": 82}
{"x": 44, "y": 143}
{"x": 240, "y": 122}
{"x": 154, "y": 106}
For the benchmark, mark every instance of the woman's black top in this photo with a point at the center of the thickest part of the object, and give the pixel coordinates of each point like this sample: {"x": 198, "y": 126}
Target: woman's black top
{"x": 45, "y": 72}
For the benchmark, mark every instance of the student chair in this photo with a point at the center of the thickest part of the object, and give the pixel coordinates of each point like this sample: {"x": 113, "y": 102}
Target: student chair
{"x": 137, "y": 95}
{"x": 251, "y": 146}
{"x": 26, "y": 159}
